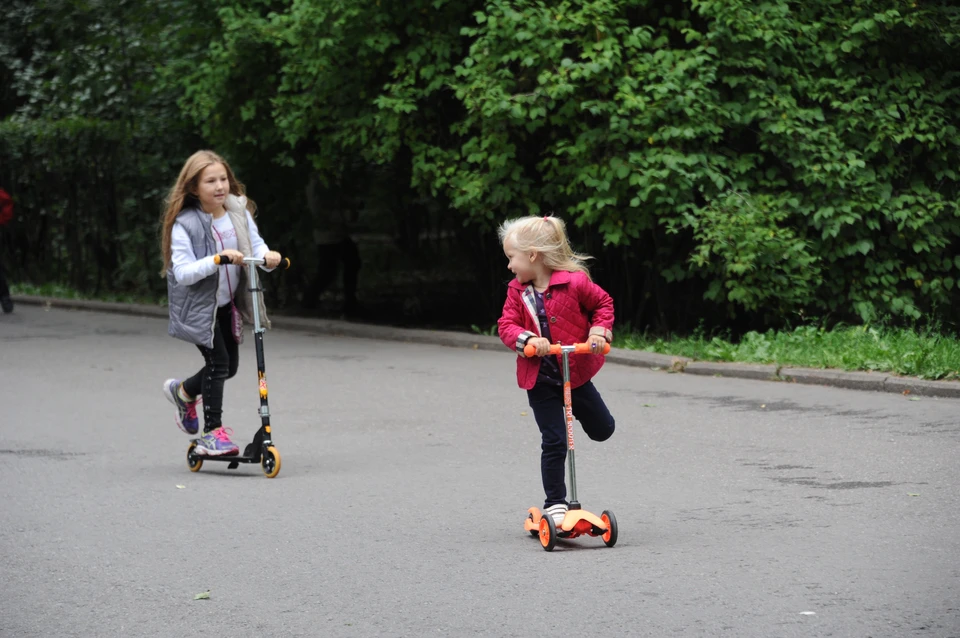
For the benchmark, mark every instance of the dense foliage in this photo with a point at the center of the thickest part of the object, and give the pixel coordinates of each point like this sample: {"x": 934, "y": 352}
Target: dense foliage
{"x": 748, "y": 163}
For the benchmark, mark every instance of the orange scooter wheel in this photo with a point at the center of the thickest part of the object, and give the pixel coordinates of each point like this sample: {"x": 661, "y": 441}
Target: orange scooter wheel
{"x": 610, "y": 536}
{"x": 533, "y": 532}
{"x": 548, "y": 533}
{"x": 194, "y": 462}
{"x": 270, "y": 462}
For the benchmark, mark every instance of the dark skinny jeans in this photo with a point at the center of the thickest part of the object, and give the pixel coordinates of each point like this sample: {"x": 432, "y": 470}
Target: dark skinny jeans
{"x": 547, "y": 404}
{"x": 222, "y": 362}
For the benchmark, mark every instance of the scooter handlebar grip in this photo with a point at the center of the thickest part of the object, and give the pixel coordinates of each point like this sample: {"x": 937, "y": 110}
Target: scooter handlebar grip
{"x": 580, "y": 348}
{"x": 221, "y": 260}
{"x": 531, "y": 350}
{"x": 584, "y": 348}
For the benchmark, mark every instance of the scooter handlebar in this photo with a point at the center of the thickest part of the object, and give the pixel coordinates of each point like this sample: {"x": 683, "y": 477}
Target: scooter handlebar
{"x": 556, "y": 348}
{"x": 223, "y": 260}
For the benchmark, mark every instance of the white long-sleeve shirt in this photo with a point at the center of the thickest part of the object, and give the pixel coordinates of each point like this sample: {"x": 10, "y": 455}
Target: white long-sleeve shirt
{"x": 188, "y": 270}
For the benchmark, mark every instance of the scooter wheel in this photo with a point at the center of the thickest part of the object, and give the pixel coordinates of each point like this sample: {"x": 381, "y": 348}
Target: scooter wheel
{"x": 533, "y": 532}
{"x": 610, "y": 537}
{"x": 548, "y": 533}
{"x": 194, "y": 462}
{"x": 270, "y": 462}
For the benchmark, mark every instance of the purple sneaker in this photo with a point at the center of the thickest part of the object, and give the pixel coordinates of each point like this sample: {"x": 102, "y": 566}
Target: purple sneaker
{"x": 217, "y": 443}
{"x": 186, "y": 417}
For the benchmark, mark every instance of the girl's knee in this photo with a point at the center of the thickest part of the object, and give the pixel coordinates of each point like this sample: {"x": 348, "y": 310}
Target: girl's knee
{"x": 220, "y": 373}
{"x": 602, "y": 433}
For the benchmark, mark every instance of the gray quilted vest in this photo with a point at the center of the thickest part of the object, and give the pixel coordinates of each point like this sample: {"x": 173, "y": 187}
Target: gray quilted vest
{"x": 193, "y": 309}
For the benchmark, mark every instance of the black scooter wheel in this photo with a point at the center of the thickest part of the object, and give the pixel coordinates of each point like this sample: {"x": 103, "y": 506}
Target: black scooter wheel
{"x": 194, "y": 462}
{"x": 548, "y": 533}
{"x": 610, "y": 537}
{"x": 270, "y": 462}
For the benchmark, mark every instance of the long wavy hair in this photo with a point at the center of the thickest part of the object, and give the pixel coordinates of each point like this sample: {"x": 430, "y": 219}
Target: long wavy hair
{"x": 547, "y": 236}
{"x": 184, "y": 194}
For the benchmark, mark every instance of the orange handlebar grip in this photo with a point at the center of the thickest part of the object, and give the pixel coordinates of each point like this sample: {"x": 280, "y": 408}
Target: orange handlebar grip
{"x": 584, "y": 348}
{"x": 216, "y": 259}
{"x": 579, "y": 348}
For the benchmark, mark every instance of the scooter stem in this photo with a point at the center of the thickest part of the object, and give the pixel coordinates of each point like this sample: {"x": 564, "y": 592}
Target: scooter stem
{"x": 568, "y": 414}
{"x": 254, "y": 281}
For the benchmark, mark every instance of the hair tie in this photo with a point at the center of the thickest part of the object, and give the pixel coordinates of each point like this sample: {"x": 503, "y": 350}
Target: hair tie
{"x": 544, "y": 218}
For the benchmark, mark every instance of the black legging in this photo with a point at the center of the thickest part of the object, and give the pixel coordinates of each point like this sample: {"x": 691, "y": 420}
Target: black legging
{"x": 222, "y": 362}
{"x": 593, "y": 415}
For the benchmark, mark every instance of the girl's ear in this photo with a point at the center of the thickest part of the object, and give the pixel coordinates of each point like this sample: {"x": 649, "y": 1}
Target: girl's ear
{"x": 533, "y": 256}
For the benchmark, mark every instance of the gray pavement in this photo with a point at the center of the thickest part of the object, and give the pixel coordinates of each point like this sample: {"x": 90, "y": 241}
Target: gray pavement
{"x": 746, "y": 508}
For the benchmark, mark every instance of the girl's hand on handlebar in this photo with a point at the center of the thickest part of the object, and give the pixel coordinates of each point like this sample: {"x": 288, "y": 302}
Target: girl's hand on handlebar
{"x": 235, "y": 256}
{"x": 271, "y": 259}
{"x": 542, "y": 345}
{"x": 596, "y": 343}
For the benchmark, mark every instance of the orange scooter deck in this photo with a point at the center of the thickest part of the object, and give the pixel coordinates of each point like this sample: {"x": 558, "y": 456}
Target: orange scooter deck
{"x": 576, "y": 522}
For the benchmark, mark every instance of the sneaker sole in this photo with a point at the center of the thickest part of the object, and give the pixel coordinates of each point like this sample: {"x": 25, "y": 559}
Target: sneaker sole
{"x": 202, "y": 451}
{"x": 176, "y": 417}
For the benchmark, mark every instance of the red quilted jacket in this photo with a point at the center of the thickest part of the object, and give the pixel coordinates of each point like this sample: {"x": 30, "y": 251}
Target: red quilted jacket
{"x": 574, "y": 306}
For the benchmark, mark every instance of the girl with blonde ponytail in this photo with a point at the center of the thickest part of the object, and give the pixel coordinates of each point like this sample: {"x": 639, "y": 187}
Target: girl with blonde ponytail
{"x": 552, "y": 299}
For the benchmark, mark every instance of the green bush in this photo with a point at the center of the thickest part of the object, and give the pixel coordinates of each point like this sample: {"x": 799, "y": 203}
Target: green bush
{"x": 733, "y": 160}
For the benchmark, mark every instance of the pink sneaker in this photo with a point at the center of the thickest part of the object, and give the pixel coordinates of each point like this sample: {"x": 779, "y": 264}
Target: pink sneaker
{"x": 186, "y": 417}
{"x": 217, "y": 443}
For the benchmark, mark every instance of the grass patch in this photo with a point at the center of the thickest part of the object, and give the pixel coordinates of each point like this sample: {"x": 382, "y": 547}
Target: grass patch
{"x": 65, "y": 292}
{"x": 918, "y": 353}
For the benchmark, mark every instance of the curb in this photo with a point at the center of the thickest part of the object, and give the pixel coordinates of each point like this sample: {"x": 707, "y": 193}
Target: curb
{"x": 851, "y": 380}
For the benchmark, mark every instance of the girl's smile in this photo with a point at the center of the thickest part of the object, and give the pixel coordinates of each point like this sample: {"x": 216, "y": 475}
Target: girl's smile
{"x": 519, "y": 263}
{"x": 525, "y": 265}
{"x": 213, "y": 186}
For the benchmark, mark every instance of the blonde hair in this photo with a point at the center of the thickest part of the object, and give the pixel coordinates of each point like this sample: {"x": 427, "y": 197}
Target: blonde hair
{"x": 548, "y": 237}
{"x": 183, "y": 194}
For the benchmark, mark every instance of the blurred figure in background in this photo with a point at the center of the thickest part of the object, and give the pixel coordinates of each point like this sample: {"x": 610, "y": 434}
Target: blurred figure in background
{"x": 332, "y": 218}
{"x": 6, "y": 214}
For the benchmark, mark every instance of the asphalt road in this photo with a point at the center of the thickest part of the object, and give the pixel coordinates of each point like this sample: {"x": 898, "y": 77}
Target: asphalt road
{"x": 745, "y": 508}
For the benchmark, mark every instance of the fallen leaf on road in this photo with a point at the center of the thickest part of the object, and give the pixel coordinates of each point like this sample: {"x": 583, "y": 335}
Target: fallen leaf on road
{"x": 523, "y": 414}
{"x": 181, "y": 487}
{"x": 914, "y": 398}
{"x": 808, "y": 613}
{"x": 908, "y": 494}
{"x": 204, "y": 595}
{"x": 763, "y": 405}
{"x": 649, "y": 405}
